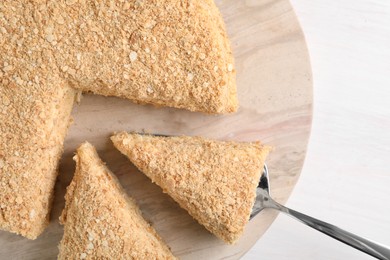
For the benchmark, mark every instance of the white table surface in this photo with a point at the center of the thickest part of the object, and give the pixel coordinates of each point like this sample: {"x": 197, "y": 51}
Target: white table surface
{"x": 346, "y": 177}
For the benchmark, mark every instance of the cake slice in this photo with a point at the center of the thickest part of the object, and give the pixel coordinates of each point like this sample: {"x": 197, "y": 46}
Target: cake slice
{"x": 100, "y": 221}
{"x": 214, "y": 181}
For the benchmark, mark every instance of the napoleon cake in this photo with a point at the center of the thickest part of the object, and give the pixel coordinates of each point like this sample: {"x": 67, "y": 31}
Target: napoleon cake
{"x": 100, "y": 220}
{"x": 214, "y": 181}
{"x": 166, "y": 53}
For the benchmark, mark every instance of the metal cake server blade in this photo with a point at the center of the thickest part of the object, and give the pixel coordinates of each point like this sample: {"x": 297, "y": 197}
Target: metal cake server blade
{"x": 264, "y": 200}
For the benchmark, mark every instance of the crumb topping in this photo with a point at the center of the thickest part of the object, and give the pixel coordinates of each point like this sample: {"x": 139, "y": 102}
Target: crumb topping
{"x": 214, "y": 181}
{"x": 100, "y": 221}
{"x": 168, "y": 53}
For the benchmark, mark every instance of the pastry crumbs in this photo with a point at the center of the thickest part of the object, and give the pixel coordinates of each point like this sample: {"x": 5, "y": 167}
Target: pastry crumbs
{"x": 83, "y": 236}
{"x": 140, "y": 50}
{"x": 214, "y": 181}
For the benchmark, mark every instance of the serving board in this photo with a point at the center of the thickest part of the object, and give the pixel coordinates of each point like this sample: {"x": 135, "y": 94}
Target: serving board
{"x": 275, "y": 93}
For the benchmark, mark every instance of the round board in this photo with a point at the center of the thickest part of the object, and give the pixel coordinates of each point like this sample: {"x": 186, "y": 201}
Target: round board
{"x": 275, "y": 93}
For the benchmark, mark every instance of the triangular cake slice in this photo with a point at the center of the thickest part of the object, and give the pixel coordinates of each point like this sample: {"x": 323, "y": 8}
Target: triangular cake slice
{"x": 100, "y": 221}
{"x": 214, "y": 181}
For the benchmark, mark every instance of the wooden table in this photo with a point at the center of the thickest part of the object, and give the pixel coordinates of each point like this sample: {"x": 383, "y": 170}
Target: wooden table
{"x": 346, "y": 176}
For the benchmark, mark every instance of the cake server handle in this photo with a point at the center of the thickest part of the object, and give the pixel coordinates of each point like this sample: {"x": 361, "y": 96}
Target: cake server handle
{"x": 365, "y": 245}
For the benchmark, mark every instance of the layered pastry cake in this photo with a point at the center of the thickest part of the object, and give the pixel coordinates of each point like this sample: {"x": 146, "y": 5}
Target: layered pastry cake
{"x": 214, "y": 181}
{"x": 166, "y": 53}
{"x": 100, "y": 220}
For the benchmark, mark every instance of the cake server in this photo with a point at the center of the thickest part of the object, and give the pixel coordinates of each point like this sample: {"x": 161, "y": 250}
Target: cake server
{"x": 264, "y": 200}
